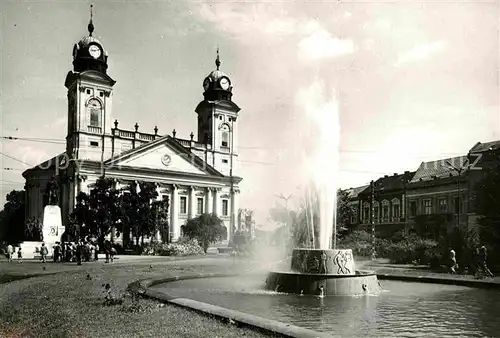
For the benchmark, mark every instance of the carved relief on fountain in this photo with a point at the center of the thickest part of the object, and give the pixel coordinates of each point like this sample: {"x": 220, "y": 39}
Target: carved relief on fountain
{"x": 330, "y": 262}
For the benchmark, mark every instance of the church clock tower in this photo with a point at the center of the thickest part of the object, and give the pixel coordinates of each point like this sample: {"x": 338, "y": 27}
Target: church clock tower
{"x": 217, "y": 121}
{"x": 89, "y": 100}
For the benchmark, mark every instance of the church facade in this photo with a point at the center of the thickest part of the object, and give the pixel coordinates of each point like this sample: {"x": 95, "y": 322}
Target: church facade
{"x": 196, "y": 175}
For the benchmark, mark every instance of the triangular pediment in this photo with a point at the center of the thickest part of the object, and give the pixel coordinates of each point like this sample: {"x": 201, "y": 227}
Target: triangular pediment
{"x": 163, "y": 154}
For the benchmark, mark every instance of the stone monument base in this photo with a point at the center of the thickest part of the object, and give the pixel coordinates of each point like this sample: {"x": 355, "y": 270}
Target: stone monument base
{"x": 29, "y": 249}
{"x": 52, "y": 229}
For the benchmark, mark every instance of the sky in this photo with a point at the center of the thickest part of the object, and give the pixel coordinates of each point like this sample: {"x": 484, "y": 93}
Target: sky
{"x": 398, "y": 82}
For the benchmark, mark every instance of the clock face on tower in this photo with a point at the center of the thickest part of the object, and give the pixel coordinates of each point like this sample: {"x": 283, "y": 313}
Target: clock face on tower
{"x": 206, "y": 83}
{"x": 95, "y": 51}
{"x": 224, "y": 83}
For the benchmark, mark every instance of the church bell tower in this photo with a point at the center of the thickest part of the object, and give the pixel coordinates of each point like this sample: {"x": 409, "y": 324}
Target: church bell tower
{"x": 217, "y": 121}
{"x": 89, "y": 100}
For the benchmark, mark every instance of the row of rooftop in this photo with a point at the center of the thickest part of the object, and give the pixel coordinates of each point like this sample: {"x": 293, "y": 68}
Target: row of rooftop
{"x": 429, "y": 171}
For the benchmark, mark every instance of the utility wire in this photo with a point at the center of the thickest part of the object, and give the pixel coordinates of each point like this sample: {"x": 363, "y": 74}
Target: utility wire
{"x": 62, "y": 141}
{"x": 15, "y": 159}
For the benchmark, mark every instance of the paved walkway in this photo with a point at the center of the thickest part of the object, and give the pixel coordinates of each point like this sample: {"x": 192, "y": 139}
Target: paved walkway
{"x": 422, "y": 271}
{"x": 382, "y": 267}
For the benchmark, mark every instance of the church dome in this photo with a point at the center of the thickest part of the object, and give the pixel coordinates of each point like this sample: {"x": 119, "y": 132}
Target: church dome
{"x": 217, "y": 84}
{"x": 86, "y": 41}
{"x": 216, "y": 75}
{"x": 88, "y": 53}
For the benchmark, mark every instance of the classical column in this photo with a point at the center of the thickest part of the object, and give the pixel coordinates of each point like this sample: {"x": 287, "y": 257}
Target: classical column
{"x": 158, "y": 199}
{"x": 174, "y": 214}
{"x": 192, "y": 202}
{"x": 209, "y": 201}
{"x": 215, "y": 209}
{"x": 234, "y": 209}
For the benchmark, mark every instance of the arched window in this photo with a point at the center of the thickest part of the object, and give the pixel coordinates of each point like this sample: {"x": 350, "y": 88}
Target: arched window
{"x": 224, "y": 135}
{"x": 385, "y": 211}
{"x": 376, "y": 212}
{"x": 225, "y": 139}
{"x": 95, "y": 111}
{"x": 396, "y": 209}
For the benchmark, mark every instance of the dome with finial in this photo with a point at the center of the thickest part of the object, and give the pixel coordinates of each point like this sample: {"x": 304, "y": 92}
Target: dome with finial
{"x": 217, "y": 84}
{"x": 89, "y": 53}
{"x": 216, "y": 74}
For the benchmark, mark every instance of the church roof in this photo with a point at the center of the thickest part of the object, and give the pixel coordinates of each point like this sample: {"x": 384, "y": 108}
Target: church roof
{"x": 87, "y": 40}
{"x": 177, "y": 146}
{"x": 216, "y": 74}
{"x": 48, "y": 164}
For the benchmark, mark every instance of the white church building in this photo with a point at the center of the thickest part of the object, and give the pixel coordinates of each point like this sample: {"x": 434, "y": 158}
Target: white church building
{"x": 198, "y": 174}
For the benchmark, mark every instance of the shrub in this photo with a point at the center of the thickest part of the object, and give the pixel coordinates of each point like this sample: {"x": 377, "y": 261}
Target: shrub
{"x": 414, "y": 249}
{"x": 361, "y": 244}
{"x": 183, "y": 247}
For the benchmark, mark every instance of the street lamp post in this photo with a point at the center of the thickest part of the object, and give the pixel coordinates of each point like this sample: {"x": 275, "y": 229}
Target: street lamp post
{"x": 372, "y": 218}
{"x": 465, "y": 166}
{"x": 285, "y": 198}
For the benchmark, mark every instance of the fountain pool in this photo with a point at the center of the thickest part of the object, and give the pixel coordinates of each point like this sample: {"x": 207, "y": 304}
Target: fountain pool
{"x": 400, "y": 310}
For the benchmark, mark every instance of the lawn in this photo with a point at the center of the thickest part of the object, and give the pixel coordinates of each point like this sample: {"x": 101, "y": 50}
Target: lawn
{"x": 64, "y": 302}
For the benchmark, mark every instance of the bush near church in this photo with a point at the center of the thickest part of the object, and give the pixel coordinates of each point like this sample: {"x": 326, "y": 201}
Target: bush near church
{"x": 183, "y": 247}
{"x": 242, "y": 242}
{"x": 206, "y": 229}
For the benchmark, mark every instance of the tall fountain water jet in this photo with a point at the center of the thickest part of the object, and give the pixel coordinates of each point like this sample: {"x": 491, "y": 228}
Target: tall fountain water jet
{"x": 323, "y": 270}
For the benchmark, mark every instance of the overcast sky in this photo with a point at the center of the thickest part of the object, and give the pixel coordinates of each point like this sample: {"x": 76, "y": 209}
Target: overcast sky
{"x": 412, "y": 81}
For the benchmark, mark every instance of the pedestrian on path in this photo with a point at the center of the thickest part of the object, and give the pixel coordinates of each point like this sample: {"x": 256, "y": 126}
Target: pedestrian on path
{"x": 44, "y": 252}
{"x": 453, "y": 261}
{"x": 10, "y": 252}
{"x": 19, "y": 255}
{"x": 482, "y": 263}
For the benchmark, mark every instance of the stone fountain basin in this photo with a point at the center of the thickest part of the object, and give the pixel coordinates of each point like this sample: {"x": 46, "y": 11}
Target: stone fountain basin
{"x": 362, "y": 283}
{"x": 323, "y": 271}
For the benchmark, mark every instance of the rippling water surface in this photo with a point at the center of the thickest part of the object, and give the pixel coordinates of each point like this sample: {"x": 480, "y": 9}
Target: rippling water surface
{"x": 402, "y": 310}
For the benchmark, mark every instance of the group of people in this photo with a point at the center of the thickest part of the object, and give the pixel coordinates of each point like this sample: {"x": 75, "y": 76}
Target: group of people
{"x": 76, "y": 252}
{"x": 481, "y": 265}
{"x": 80, "y": 251}
{"x": 10, "y": 253}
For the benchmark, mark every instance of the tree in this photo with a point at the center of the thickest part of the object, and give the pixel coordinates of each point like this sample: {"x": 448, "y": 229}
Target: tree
{"x": 104, "y": 212}
{"x": 160, "y": 216}
{"x": 206, "y": 228}
{"x": 33, "y": 231}
{"x": 487, "y": 202}
{"x": 345, "y": 211}
{"x": 137, "y": 210}
{"x": 83, "y": 216}
{"x": 12, "y": 218}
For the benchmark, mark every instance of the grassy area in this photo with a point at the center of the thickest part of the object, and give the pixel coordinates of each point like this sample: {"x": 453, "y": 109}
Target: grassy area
{"x": 68, "y": 304}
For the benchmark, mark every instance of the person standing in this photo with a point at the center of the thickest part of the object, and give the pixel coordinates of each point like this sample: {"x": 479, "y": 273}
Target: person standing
{"x": 482, "y": 261}
{"x": 96, "y": 252}
{"x": 19, "y": 255}
{"x": 453, "y": 261}
{"x": 79, "y": 253}
{"x": 10, "y": 252}
{"x": 44, "y": 252}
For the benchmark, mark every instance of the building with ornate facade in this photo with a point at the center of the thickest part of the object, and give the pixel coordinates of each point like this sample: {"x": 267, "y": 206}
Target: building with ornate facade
{"x": 438, "y": 196}
{"x": 197, "y": 174}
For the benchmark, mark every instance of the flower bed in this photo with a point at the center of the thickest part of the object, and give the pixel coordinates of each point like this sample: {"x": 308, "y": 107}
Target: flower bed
{"x": 180, "y": 248}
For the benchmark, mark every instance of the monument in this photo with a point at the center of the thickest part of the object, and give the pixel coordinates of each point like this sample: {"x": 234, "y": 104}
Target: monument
{"x": 52, "y": 228}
